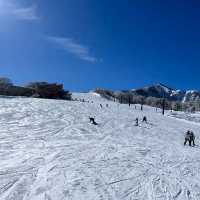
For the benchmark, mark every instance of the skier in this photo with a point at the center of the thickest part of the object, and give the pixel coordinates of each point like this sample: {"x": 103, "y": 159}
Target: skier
{"x": 144, "y": 119}
{"x": 101, "y": 106}
{"x": 136, "y": 122}
{"x": 187, "y": 138}
{"x": 192, "y": 138}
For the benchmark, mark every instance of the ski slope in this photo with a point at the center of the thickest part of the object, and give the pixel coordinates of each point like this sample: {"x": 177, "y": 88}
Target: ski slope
{"x": 50, "y": 151}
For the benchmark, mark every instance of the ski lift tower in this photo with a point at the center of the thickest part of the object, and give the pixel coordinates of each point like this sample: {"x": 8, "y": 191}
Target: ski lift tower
{"x": 163, "y": 104}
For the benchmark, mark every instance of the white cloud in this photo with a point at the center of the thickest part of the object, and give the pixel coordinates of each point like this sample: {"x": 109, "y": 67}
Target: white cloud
{"x": 72, "y": 47}
{"x": 28, "y": 13}
{"x": 12, "y": 9}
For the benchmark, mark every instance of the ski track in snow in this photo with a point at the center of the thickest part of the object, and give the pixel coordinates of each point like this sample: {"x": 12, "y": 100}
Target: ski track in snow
{"x": 50, "y": 151}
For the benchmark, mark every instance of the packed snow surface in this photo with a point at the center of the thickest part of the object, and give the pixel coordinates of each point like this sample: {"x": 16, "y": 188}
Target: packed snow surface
{"x": 50, "y": 151}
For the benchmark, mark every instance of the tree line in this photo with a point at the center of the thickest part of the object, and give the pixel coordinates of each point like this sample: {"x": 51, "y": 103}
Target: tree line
{"x": 126, "y": 97}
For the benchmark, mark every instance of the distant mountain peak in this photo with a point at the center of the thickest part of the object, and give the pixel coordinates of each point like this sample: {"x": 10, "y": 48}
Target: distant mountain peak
{"x": 161, "y": 90}
{"x": 165, "y": 86}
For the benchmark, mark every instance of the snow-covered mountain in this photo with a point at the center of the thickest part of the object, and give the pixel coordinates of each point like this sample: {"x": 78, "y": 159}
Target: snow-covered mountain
{"x": 161, "y": 90}
{"x": 50, "y": 151}
{"x": 157, "y": 91}
{"x": 191, "y": 95}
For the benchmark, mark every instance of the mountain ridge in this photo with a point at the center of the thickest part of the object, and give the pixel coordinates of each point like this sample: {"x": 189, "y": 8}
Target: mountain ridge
{"x": 161, "y": 90}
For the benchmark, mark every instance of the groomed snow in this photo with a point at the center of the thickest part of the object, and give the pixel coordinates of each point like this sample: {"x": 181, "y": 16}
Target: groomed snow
{"x": 50, "y": 151}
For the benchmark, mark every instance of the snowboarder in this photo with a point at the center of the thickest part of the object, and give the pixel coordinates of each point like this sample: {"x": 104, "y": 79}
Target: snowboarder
{"x": 92, "y": 120}
{"x": 144, "y": 119}
{"x": 136, "y": 122}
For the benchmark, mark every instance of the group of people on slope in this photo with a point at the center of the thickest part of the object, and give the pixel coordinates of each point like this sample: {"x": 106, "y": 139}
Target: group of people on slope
{"x": 190, "y": 138}
{"x": 143, "y": 120}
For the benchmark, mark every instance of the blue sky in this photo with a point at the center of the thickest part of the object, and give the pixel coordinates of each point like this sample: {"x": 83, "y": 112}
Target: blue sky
{"x": 112, "y": 44}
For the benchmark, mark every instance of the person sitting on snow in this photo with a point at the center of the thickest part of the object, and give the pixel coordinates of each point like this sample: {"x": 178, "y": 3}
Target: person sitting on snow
{"x": 92, "y": 120}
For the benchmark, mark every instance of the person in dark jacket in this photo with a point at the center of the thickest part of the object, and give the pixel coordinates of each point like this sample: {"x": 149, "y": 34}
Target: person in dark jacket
{"x": 192, "y": 138}
{"x": 92, "y": 120}
{"x": 144, "y": 119}
{"x": 136, "y": 122}
{"x": 189, "y": 137}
